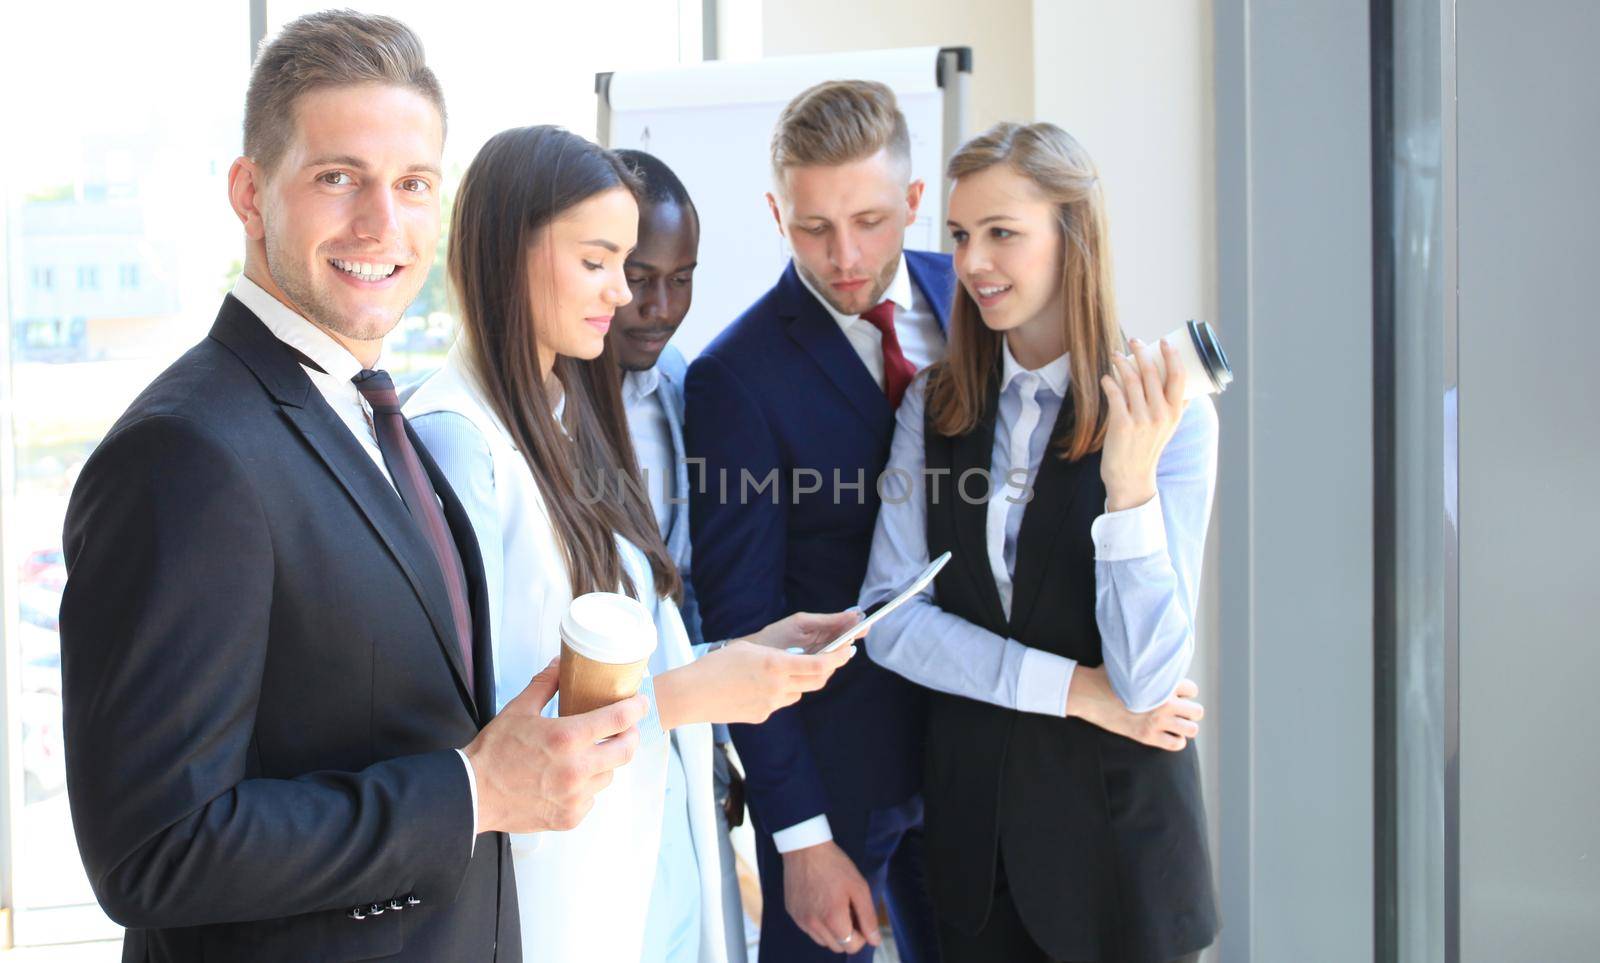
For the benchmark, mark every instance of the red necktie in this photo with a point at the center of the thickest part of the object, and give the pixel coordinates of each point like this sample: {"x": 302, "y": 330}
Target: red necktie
{"x": 897, "y": 371}
{"x": 417, "y": 492}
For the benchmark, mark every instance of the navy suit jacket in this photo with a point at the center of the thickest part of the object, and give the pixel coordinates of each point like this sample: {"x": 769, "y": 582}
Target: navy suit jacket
{"x": 782, "y": 390}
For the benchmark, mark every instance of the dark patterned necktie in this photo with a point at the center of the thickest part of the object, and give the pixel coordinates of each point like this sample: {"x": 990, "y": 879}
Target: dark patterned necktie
{"x": 417, "y": 492}
{"x": 897, "y": 371}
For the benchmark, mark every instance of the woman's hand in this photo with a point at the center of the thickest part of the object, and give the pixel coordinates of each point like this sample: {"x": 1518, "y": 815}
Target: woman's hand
{"x": 1142, "y": 414}
{"x": 806, "y": 631}
{"x": 1168, "y": 726}
{"x": 742, "y": 682}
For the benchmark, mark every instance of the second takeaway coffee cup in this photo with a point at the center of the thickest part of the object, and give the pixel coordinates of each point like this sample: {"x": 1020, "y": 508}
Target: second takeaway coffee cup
{"x": 606, "y": 639}
{"x": 1205, "y": 365}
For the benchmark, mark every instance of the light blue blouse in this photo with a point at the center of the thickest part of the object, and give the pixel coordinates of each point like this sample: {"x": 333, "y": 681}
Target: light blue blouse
{"x": 1147, "y": 560}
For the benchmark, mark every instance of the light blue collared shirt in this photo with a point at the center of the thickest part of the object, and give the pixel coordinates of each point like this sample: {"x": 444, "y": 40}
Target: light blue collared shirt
{"x": 1147, "y": 560}
{"x": 652, "y": 442}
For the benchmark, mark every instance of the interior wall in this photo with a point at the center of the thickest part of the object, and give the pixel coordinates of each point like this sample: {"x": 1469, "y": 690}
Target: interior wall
{"x": 1131, "y": 81}
{"x": 998, "y": 32}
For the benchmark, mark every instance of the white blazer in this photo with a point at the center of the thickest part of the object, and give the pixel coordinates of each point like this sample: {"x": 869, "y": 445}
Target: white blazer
{"x": 583, "y": 894}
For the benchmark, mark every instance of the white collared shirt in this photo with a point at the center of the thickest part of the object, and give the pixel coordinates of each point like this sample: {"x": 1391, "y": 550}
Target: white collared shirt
{"x": 334, "y": 382}
{"x": 652, "y": 440}
{"x": 921, "y": 338}
{"x": 339, "y": 366}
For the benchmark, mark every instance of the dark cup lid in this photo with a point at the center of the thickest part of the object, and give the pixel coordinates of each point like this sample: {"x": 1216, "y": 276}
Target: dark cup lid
{"x": 1212, "y": 357}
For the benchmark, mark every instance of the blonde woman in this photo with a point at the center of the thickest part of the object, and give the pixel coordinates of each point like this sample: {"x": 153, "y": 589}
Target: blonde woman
{"x": 1072, "y": 486}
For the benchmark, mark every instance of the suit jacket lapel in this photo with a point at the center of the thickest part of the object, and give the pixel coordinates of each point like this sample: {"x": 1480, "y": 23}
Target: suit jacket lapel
{"x": 936, "y": 288}
{"x": 327, "y": 436}
{"x": 466, "y": 540}
{"x": 377, "y": 500}
{"x": 815, "y": 330}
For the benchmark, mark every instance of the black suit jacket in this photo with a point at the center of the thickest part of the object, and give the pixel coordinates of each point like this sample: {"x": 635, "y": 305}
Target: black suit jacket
{"x": 262, "y": 698}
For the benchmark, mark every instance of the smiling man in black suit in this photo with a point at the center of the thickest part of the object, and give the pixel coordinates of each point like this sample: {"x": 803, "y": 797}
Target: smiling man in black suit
{"x": 277, "y": 677}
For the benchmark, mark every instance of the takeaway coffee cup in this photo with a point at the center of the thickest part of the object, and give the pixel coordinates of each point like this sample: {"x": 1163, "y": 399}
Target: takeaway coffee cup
{"x": 1205, "y": 365}
{"x": 606, "y": 639}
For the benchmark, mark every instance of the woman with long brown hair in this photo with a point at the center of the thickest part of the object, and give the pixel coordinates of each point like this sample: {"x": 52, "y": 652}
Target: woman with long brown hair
{"x": 527, "y": 421}
{"x": 1072, "y": 487}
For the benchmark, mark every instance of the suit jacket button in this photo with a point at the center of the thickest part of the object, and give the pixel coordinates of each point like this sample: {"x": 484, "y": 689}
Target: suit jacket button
{"x": 376, "y": 909}
{"x": 412, "y": 900}
{"x": 395, "y": 904}
{"x": 357, "y": 914}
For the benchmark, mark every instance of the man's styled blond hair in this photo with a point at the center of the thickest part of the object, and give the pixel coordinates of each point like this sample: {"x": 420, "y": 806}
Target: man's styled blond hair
{"x": 332, "y": 48}
{"x": 839, "y": 121}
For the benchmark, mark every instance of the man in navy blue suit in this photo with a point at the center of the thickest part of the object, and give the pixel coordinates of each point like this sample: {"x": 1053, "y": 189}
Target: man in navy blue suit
{"x": 792, "y": 410}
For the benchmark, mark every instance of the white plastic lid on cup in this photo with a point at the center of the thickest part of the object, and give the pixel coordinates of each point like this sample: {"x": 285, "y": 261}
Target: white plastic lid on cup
{"x": 1213, "y": 360}
{"x": 610, "y": 628}
{"x": 1205, "y": 364}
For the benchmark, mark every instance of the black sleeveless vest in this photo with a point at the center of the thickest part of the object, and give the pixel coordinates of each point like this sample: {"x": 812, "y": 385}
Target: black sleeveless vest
{"x": 1103, "y": 839}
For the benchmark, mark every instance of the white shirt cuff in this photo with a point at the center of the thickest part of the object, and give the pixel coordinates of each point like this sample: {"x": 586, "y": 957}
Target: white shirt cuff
{"x": 1131, "y": 533}
{"x": 813, "y": 832}
{"x": 472, "y": 784}
{"x": 1044, "y": 682}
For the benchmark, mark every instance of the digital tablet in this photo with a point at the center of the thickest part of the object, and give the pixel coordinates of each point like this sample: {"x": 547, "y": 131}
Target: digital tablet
{"x": 917, "y": 584}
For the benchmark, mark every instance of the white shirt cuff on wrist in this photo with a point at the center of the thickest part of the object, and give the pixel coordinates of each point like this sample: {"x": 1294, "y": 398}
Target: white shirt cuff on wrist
{"x": 813, "y": 832}
{"x": 472, "y": 785}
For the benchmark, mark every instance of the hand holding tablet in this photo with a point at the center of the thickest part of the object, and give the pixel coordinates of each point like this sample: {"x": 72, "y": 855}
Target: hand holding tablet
{"x": 865, "y": 625}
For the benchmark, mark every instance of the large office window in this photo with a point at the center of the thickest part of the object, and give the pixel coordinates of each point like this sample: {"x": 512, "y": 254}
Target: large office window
{"x": 118, "y": 244}
{"x": 115, "y": 213}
